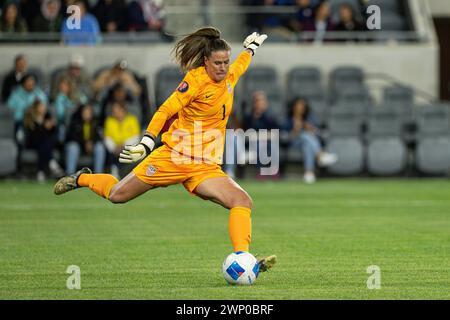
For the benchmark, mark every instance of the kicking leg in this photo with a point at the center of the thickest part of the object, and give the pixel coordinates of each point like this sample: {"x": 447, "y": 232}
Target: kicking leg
{"x": 105, "y": 185}
{"x": 226, "y": 192}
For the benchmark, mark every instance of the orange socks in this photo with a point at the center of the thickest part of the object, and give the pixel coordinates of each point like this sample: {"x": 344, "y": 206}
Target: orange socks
{"x": 240, "y": 228}
{"x": 100, "y": 183}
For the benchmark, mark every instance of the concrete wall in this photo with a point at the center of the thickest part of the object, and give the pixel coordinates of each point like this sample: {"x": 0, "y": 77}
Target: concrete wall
{"x": 439, "y": 8}
{"x": 414, "y": 64}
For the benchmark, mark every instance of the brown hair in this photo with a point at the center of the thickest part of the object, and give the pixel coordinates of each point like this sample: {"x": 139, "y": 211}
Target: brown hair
{"x": 191, "y": 50}
{"x": 31, "y": 115}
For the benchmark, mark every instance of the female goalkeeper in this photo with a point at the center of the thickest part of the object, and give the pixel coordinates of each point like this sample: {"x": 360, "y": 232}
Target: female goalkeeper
{"x": 189, "y": 154}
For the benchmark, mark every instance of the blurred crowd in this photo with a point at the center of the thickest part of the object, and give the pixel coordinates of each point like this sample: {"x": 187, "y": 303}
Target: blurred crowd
{"x": 79, "y": 115}
{"x": 310, "y": 15}
{"x": 99, "y": 16}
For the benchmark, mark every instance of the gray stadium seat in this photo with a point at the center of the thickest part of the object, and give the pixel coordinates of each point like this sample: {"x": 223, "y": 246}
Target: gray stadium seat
{"x": 347, "y": 75}
{"x": 6, "y": 123}
{"x": 385, "y": 121}
{"x": 350, "y": 152}
{"x": 306, "y": 74}
{"x": 433, "y": 155}
{"x": 433, "y": 120}
{"x": 167, "y": 80}
{"x": 8, "y": 163}
{"x": 398, "y": 94}
{"x": 354, "y": 94}
{"x": 433, "y": 139}
{"x": 344, "y": 130}
{"x": 345, "y": 120}
{"x": 386, "y": 156}
{"x": 260, "y": 78}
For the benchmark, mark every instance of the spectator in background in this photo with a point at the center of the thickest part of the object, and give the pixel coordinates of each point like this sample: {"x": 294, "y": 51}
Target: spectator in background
{"x": 121, "y": 128}
{"x": 269, "y": 22}
{"x": 22, "y": 98}
{"x": 84, "y": 137}
{"x": 347, "y": 19}
{"x": 64, "y": 105}
{"x": 80, "y": 82}
{"x": 119, "y": 73}
{"x": 322, "y": 22}
{"x": 11, "y": 21}
{"x": 304, "y": 15}
{"x": 110, "y": 15}
{"x": 89, "y": 32}
{"x": 13, "y": 78}
{"x": 49, "y": 19}
{"x": 28, "y": 10}
{"x": 146, "y": 15}
{"x": 116, "y": 94}
{"x": 260, "y": 118}
{"x": 301, "y": 132}
{"x": 40, "y": 133}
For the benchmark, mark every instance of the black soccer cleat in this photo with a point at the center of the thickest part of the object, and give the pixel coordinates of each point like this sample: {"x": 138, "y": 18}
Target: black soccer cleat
{"x": 69, "y": 183}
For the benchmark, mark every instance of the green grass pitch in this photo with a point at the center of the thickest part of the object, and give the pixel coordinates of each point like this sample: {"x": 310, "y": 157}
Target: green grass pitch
{"x": 168, "y": 244}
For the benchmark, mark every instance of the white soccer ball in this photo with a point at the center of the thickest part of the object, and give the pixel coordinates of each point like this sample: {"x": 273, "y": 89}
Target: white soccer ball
{"x": 240, "y": 268}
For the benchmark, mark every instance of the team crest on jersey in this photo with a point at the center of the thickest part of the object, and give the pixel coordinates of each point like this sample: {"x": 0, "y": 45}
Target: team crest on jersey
{"x": 230, "y": 90}
{"x": 183, "y": 87}
{"x": 151, "y": 170}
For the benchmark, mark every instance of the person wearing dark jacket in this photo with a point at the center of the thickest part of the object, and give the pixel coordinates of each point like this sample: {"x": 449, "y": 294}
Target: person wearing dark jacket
{"x": 14, "y": 77}
{"x": 260, "y": 119}
{"x": 84, "y": 137}
{"x": 40, "y": 133}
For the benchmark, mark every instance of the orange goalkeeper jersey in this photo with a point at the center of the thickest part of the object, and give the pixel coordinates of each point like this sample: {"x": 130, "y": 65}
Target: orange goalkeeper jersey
{"x": 203, "y": 108}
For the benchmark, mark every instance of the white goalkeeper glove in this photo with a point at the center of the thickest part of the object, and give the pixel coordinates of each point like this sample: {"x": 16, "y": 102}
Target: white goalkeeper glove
{"x": 131, "y": 154}
{"x": 253, "y": 41}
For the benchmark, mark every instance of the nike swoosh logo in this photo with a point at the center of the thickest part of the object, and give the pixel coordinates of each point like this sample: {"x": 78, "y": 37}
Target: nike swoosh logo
{"x": 208, "y": 96}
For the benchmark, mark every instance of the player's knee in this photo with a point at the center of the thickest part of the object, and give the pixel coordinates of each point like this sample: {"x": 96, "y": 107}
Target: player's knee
{"x": 117, "y": 196}
{"x": 242, "y": 200}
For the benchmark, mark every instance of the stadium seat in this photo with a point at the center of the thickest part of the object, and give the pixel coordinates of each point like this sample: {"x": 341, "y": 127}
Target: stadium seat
{"x": 344, "y": 77}
{"x": 167, "y": 80}
{"x": 433, "y": 139}
{"x": 344, "y": 139}
{"x": 386, "y": 156}
{"x": 433, "y": 155}
{"x": 354, "y": 94}
{"x": 8, "y": 163}
{"x": 6, "y": 123}
{"x": 350, "y": 152}
{"x": 260, "y": 78}
{"x": 346, "y": 120}
{"x": 385, "y": 121}
{"x": 398, "y": 94}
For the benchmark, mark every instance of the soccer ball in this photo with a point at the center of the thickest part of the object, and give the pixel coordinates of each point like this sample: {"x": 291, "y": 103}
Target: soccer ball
{"x": 240, "y": 268}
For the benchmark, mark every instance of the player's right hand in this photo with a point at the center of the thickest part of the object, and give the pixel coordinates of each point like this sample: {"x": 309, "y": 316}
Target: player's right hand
{"x": 253, "y": 41}
{"x": 131, "y": 154}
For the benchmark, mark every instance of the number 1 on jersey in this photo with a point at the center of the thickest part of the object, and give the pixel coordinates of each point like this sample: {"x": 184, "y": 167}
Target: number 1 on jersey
{"x": 223, "y": 116}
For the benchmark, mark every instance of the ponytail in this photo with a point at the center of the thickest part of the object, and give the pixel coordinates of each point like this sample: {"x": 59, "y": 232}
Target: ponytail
{"x": 190, "y": 51}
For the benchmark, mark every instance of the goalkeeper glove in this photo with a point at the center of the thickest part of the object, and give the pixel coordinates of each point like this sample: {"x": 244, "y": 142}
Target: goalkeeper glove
{"x": 138, "y": 152}
{"x": 253, "y": 41}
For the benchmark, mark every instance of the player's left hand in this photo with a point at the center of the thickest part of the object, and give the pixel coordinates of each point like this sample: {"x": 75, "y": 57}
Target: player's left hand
{"x": 253, "y": 41}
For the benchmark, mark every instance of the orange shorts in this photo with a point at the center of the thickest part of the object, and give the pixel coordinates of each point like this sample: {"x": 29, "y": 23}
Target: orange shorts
{"x": 161, "y": 169}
